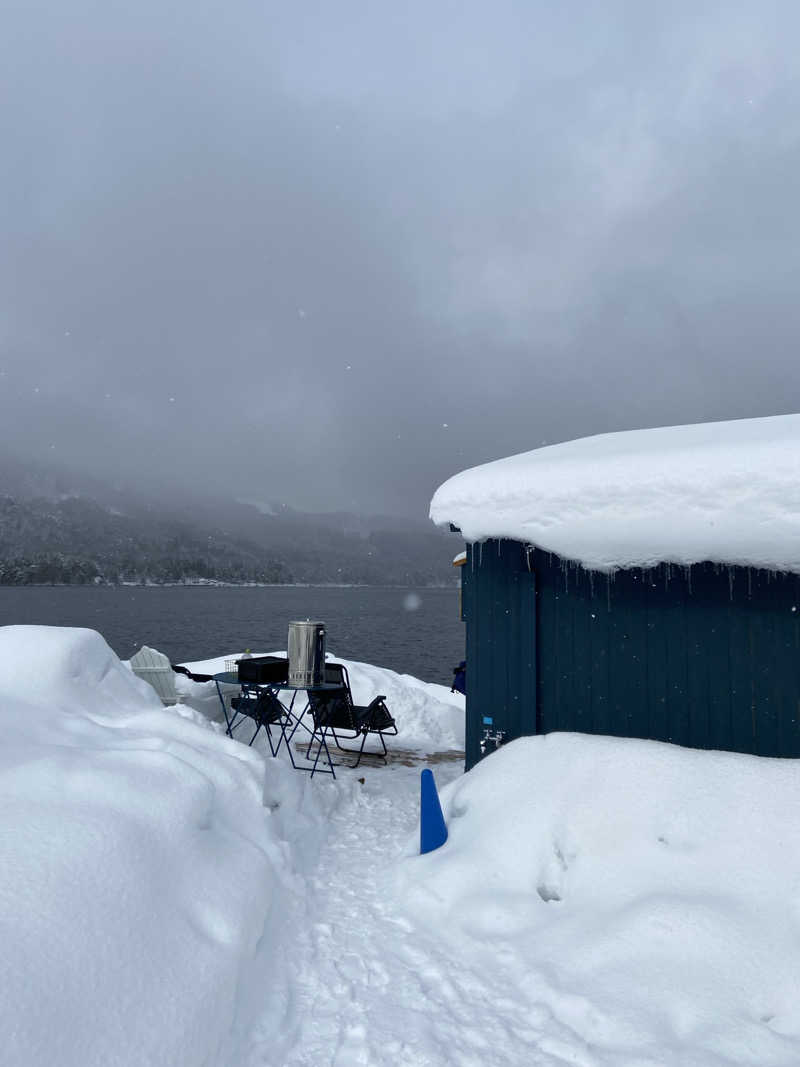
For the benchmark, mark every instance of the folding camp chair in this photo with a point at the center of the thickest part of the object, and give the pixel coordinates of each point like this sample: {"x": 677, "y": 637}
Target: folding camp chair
{"x": 335, "y": 715}
{"x": 262, "y": 706}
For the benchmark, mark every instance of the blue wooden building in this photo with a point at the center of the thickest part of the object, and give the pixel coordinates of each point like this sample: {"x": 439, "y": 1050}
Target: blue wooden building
{"x": 703, "y": 653}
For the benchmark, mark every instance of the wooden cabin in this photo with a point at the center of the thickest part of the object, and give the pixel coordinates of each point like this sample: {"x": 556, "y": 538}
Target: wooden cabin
{"x": 671, "y": 611}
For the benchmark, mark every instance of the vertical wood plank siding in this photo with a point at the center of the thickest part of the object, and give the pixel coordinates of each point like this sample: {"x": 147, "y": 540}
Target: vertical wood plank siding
{"x": 706, "y": 656}
{"x": 500, "y": 610}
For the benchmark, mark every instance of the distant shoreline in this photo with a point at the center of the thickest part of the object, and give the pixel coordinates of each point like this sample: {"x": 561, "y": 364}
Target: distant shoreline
{"x": 211, "y": 584}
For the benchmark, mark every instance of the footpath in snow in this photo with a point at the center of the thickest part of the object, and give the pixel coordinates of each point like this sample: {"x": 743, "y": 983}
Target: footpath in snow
{"x": 347, "y": 977}
{"x": 343, "y": 974}
{"x": 599, "y": 902}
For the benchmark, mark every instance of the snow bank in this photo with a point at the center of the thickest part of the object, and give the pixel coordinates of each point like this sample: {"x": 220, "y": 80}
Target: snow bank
{"x": 429, "y": 717}
{"x": 645, "y": 897}
{"x": 138, "y": 862}
{"x": 728, "y": 492}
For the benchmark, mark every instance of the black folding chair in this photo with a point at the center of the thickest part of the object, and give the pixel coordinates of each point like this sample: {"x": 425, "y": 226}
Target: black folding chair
{"x": 335, "y": 715}
{"x": 262, "y": 706}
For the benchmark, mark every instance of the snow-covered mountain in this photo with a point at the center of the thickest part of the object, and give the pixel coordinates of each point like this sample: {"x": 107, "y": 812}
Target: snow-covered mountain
{"x": 56, "y": 526}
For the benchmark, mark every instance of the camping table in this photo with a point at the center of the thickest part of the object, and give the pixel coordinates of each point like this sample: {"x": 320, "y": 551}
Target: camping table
{"x": 251, "y": 689}
{"x": 232, "y": 678}
{"x": 227, "y": 678}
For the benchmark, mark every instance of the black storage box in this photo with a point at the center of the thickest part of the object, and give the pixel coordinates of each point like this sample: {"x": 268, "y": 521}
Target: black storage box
{"x": 263, "y": 670}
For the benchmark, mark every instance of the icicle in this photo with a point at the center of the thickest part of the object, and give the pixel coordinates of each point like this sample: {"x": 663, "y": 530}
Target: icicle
{"x": 688, "y": 573}
{"x": 731, "y": 575}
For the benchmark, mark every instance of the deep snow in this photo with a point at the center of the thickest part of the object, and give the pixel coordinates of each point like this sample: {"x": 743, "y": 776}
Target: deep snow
{"x": 728, "y": 492}
{"x": 170, "y": 896}
{"x": 137, "y": 861}
{"x": 643, "y": 899}
{"x": 145, "y": 854}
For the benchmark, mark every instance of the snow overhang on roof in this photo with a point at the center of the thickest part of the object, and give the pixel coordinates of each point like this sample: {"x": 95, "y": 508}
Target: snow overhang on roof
{"x": 726, "y": 492}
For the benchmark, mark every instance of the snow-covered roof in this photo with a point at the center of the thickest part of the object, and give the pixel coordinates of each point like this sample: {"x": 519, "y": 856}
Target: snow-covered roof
{"x": 728, "y": 492}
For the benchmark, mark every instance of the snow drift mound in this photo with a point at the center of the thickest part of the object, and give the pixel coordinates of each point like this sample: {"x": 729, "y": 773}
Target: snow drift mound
{"x": 63, "y": 668}
{"x": 138, "y": 863}
{"x": 646, "y": 897}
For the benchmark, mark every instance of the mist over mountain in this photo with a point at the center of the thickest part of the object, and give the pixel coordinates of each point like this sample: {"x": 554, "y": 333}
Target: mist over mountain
{"x": 57, "y": 526}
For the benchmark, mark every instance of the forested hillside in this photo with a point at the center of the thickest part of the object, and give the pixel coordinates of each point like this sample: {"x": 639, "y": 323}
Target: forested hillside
{"x": 76, "y": 539}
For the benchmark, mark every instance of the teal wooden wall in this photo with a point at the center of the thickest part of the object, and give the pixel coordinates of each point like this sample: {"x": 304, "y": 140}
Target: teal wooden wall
{"x": 707, "y": 657}
{"x": 500, "y": 614}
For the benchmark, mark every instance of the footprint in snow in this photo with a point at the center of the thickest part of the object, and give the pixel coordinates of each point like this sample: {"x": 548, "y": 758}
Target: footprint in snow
{"x": 352, "y": 967}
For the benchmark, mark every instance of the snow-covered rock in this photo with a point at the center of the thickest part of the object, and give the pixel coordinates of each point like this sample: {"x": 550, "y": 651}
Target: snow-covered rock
{"x": 728, "y": 492}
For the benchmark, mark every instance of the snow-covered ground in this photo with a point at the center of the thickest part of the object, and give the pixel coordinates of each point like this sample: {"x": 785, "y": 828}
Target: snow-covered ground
{"x": 170, "y": 896}
{"x": 640, "y": 902}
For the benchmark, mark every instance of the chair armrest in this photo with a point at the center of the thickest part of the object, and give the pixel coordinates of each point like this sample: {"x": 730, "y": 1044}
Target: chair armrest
{"x": 377, "y": 716}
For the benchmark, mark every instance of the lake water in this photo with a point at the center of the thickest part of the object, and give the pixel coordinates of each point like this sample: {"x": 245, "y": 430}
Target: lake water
{"x": 414, "y": 631}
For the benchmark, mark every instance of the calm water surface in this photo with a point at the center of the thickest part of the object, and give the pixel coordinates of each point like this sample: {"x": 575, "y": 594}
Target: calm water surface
{"x": 191, "y": 623}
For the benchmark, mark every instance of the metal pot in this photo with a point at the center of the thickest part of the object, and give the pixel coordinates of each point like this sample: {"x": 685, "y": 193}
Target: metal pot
{"x": 306, "y": 647}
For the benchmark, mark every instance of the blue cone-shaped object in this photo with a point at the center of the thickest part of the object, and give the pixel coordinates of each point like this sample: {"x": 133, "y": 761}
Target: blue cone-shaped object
{"x": 432, "y": 830}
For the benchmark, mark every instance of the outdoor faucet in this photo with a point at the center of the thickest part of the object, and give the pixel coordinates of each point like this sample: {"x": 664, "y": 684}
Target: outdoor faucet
{"x": 489, "y": 736}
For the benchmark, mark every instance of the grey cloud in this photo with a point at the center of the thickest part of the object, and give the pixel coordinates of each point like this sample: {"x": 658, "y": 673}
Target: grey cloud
{"x": 331, "y": 253}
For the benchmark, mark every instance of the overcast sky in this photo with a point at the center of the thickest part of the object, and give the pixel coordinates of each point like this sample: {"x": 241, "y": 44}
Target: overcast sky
{"x": 331, "y": 253}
